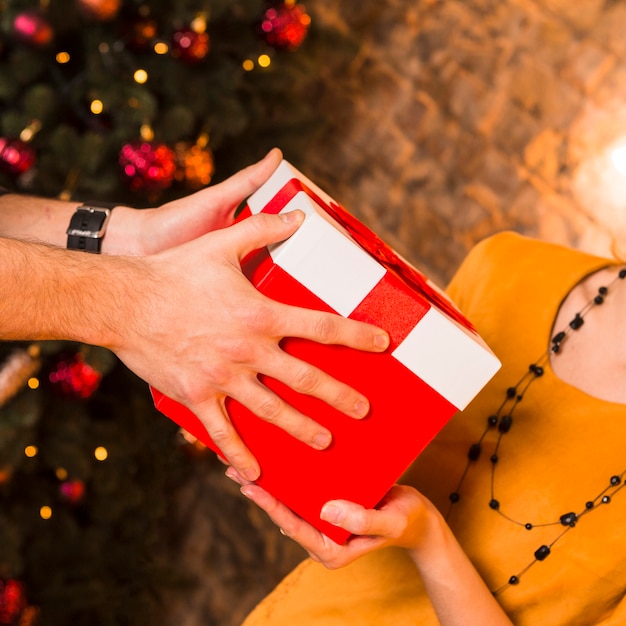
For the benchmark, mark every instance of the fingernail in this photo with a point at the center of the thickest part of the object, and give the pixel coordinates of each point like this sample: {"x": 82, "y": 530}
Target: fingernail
{"x": 251, "y": 474}
{"x": 322, "y": 441}
{"x": 361, "y": 408}
{"x": 331, "y": 513}
{"x": 232, "y": 474}
{"x": 381, "y": 341}
{"x": 292, "y": 217}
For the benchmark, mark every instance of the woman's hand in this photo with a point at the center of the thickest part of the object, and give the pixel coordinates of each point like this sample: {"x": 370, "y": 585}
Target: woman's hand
{"x": 147, "y": 231}
{"x": 402, "y": 519}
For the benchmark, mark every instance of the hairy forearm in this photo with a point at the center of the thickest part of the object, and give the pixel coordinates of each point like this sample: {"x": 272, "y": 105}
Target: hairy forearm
{"x": 52, "y": 293}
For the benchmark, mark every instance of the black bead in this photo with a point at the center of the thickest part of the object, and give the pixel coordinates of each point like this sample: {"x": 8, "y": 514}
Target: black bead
{"x": 556, "y": 348}
{"x": 569, "y": 519}
{"x": 615, "y": 480}
{"x": 603, "y": 291}
{"x": 537, "y": 370}
{"x": 577, "y": 322}
{"x": 494, "y": 504}
{"x": 543, "y": 552}
{"x": 606, "y": 499}
{"x": 622, "y": 274}
{"x": 505, "y": 423}
{"x": 558, "y": 337}
{"x": 589, "y": 505}
{"x": 598, "y": 300}
{"x": 492, "y": 420}
{"x": 494, "y": 458}
{"x": 454, "y": 497}
{"x": 514, "y": 580}
{"x": 528, "y": 526}
{"x": 474, "y": 452}
{"x": 511, "y": 391}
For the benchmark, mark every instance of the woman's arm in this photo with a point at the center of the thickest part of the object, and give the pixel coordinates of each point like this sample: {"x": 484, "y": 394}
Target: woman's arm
{"x": 405, "y": 519}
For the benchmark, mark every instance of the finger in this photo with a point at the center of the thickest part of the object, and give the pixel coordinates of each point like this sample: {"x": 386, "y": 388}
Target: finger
{"x": 290, "y": 524}
{"x": 330, "y": 328}
{"x": 224, "y": 435}
{"x": 245, "y": 182}
{"x": 312, "y": 381}
{"x": 359, "y": 520}
{"x": 267, "y": 405}
{"x": 236, "y": 477}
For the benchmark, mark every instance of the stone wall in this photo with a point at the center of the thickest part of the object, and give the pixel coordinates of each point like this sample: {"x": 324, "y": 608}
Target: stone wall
{"x": 459, "y": 118}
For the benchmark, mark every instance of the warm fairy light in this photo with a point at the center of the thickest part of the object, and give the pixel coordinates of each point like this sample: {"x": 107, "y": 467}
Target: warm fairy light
{"x": 33, "y": 383}
{"x": 31, "y": 451}
{"x": 264, "y": 60}
{"x": 146, "y": 132}
{"x": 101, "y": 453}
{"x": 198, "y": 24}
{"x": 29, "y": 132}
{"x": 618, "y": 158}
{"x": 61, "y": 473}
{"x": 248, "y": 65}
{"x": 160, "y": 47}
{"x": 62, "y": 57}
{"x": 45, "y": 512}
{"x": 140, "y": 76}
{"x": 96, "y": 107}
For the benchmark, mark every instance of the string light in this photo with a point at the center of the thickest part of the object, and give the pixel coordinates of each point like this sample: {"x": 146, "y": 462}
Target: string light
{"x": 264, "y": 60}
{"x": 62, "y": 57}
{"x": 45, "y": 512}
{"x": 248, "y": 65}
{"x": 61, "y": 473}
{"x": 31, "y": 451}
{"x": 160, "y": 47}
{"x": 101, "y": 453}
{"x": 33, "y": 383}
{"x": 140, "y": 76}
{"x": 96, "y": 107}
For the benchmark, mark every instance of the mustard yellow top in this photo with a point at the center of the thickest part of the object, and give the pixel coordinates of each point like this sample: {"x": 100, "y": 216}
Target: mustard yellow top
{"x": 561, "y": 451}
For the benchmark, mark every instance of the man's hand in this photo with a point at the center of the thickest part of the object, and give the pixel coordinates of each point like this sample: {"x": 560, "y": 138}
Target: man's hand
{"x": 198, "y": 331}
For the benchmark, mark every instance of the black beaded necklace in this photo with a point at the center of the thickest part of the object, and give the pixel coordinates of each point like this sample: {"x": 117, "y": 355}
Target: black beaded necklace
{"x": 502, "y": 420}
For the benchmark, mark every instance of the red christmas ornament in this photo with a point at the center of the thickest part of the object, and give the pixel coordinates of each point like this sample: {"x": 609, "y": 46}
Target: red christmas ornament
{"x": 100, "y": 10}
{"x": 75, "y": 378}
{"x": 12, "y": 601}
{"x": 16, "y": 156}
{"x": 285, "y": 26}
{"x": 32, "y": 28}
{"x": 189, "y": 45}
{"x": 72, "y": 490}
{"x": 147, "y": 166}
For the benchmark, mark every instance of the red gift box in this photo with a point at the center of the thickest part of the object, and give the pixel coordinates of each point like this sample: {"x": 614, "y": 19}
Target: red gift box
{"x": 434, "y": 366}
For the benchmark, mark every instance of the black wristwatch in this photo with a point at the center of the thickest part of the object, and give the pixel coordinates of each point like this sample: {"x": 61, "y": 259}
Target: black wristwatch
{"x": 88, "y": 226}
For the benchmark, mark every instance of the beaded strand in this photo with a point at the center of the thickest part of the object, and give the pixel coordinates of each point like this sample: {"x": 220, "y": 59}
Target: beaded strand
{"x": 503, "y": 420}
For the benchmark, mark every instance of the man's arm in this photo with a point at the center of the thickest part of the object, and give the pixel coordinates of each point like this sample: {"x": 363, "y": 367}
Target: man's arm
{"x": 185, "y": 318}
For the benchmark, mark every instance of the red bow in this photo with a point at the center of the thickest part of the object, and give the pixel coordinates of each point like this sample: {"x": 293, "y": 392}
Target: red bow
{"x": 372, "y": 244}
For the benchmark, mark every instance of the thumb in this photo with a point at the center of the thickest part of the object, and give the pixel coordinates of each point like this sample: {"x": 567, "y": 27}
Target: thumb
{"x": 262, "y": 229}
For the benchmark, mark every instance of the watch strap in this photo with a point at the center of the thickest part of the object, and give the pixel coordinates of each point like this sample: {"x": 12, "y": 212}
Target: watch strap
{"x": 88, "y": 226}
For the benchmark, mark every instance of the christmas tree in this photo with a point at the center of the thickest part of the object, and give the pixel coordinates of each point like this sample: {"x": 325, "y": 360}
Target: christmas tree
{"x": 137, "y": 102}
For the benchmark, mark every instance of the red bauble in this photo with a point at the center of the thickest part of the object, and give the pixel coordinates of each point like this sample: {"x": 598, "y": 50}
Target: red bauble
{"x": 100, "y": 10}
{"x": 75, "y": 378}
{"x": 147, "y": 166}
{"x": 12, "y": 601}
{"x": 32, "y": 28}
{"x": 72, "y": 490}
{"x": 285, "y": 26}
{"x": 189, "y": 45}
{"x": 16, "y": 156}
